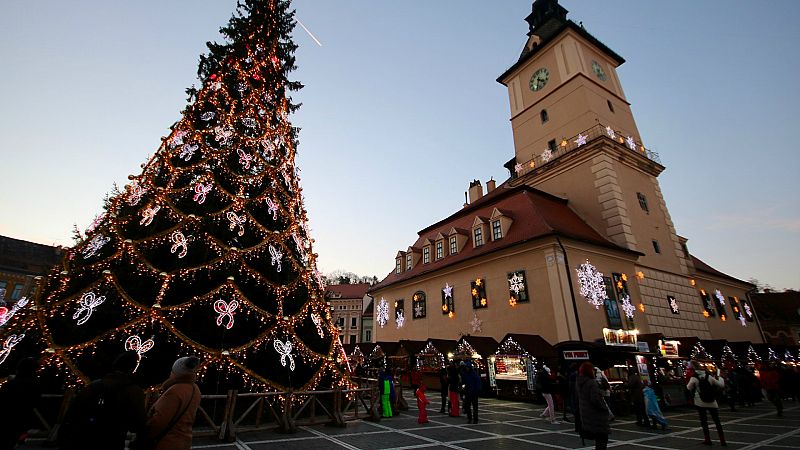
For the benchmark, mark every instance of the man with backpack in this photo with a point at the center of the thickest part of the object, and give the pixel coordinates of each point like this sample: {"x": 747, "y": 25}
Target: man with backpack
{"x": 705, "y": 387}
{"x": 101, "y": 415}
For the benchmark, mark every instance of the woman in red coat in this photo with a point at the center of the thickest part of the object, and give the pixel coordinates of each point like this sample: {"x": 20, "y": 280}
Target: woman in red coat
{"x": 422, "y": 403}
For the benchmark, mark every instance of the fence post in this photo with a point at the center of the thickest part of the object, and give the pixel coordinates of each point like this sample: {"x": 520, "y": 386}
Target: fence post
{"x": 375, "y": 400}
{"x": 226, "y": 429}
{"x": 338, "y": 418}
{"x": 52, "y": 437}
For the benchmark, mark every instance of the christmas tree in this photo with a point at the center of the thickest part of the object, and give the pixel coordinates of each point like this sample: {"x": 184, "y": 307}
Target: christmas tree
{"x": 207, "y": 251}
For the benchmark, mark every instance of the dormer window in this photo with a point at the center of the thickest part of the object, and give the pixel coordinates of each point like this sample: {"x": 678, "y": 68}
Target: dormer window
{"x": 453, "y": 245}
{"x": 497, "y": 230}
{"x": 398, "y": 266}
{"x": 478, "y": 236}
{"x": 409, "y": 261}
{"x": 439, "y": 250}
{"x": 426, "y": 254}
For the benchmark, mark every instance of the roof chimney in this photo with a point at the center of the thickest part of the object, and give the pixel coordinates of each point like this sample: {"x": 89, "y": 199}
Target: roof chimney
{"x": 490, "y": 185}
{"x": 475, "y": 191}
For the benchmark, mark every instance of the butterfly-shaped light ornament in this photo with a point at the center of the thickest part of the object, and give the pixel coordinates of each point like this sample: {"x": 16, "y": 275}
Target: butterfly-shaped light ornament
{"x": 134, "y": 344}
{"x": 285, "y": 350}
{"x": 225, "y": 309}
{"x": 89, "y": 301}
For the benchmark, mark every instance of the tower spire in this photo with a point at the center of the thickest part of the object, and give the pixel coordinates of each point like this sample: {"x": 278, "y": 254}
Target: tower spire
{"x": 546, "y": 18}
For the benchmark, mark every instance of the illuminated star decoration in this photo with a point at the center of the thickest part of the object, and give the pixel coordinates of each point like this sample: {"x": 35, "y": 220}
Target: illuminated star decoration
{"x": 285, "y": 350}
{"x": 673, "y": 304}
{"x": 720, "y": 297}
{"x": 383, "y": 312}
{"x": 592, "y": 286}
{"x": 581, "y": 140}
{"x": 627, "y": 306}
{"x": 277, "y": 256}
{"x": 148, "y": 214}
{"x": 135, "y": 344}
{"x": 400, "y": 319}
{"x": 9, "y": 344}
{"x": 236, "y": 221}
{"x": 631, "y": 143}
{"x": 225, "y": 309}
{"x": 448, "y": 291}
{"x": 547, "y": 155}
{"x": 5, "y": 317}
{"x": 318, "y": 323}
{"x": 94, "y": 246}
{"x": 200, "y": 192}
{"x": 519, "y": 168}
{"x": 476, "y": 323}
{"x": 88, "y": 302}
{"x": 610, "y": 133}
{"x": 179, "y": 241}
{"x": 516, "y": 283}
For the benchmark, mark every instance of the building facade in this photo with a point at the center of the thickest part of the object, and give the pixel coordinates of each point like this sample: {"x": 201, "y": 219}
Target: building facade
{"x": 347, "y": 303}
{"x": 579, "y": 239}
{"x": 779, "y": 315}
{"x": 21, "y": 265}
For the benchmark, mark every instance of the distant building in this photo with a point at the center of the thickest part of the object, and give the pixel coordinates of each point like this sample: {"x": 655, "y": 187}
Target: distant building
{"x": 367, "y": 320}
{"x": 779, "y": 313}
{"x": 347, "y": 306}
{"x": 578, "y": 242}
{"x": 20, "y": 263}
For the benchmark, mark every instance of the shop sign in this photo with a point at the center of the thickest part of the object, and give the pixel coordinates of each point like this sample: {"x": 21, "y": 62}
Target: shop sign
{"x": 644, "y": 372}
{"x": 529, "y": 367}
{"x": 627, "y": 338}
{"x": 669, "y": 349}
{"x": 575, "y": 354}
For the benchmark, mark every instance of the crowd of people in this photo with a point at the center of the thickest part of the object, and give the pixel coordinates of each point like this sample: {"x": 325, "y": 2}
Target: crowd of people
{"x": 105, "y": 412}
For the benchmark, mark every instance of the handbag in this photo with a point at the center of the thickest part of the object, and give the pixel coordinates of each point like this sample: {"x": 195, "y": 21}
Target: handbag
{"x": 142, "y": 442}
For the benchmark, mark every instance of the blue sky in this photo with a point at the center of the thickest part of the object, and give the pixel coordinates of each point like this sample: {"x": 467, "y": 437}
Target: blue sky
{"x": 401, "y": 110}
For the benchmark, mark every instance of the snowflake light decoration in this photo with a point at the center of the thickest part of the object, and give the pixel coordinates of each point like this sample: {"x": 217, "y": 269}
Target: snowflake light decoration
{"x": 476, "y": 324}
{"x": 516, "y": 283}
{"x": 610, "y": 133}
{"x": 285, "y": 350}
{"x": 448, "y": 291}
{"x": 88, "y": 302}
{"x": 592, "y": 286}
{"x": 581, "y": 140}
{"x": 673, "y": 304}
{"x": 627, "y": 306}
{"x": 400, "y": 319}
{"x": 383, "y": 312}
{"x": 519, "y": 168}
{"x": 720, "y": 297}
{"x": 631, "y": 143}
{"x": 547, "y": 155}
{"x": 94, "y": 246}
{"x": 418, "y": 310}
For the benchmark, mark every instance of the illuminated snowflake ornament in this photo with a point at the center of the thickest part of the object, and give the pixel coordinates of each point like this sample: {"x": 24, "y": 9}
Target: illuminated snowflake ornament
{"x": 225, "y": 310}
{"x": 627, "y": 306}
{"x": 631, "y": 143}
{"x": 9, "y": 344}
{"x": 88, "y": 302}
{"x": 448, "y": 291}
{"x": 94, "y": 246}
{"x": 610, "y": 133}
{"x": 673, "y": 304}
{"x": 720, "y": 297}
{"x": 400, "y": 319}
{"x": 383, "y": 312}
{"x": 285, "y": 350}
{"x": 476, "y": 324}
{"x": 419, "y": 311}
{"x": 519, "y": 168}
{"x": 516, "y": 283}
{"x": 581, "y": 140}
{"x": 592, "y": 285}
{"x": 547, "y": 155}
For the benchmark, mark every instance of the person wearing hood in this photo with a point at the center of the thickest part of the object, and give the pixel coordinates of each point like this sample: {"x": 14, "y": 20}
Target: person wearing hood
{"x": 704, "y": 387}
{"x": 472, "y": 387}
{"x": 169, "y": 426}
{"x": 592, "y": 409}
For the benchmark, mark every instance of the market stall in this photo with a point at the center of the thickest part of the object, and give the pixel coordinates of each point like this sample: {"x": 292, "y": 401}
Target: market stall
{"x": 745, "y": 354}
{"x": 406, "y": 360}
{"x": 477, "y": 350}
{"x": 512, "y": 368}
{"x": 670, "y": 373}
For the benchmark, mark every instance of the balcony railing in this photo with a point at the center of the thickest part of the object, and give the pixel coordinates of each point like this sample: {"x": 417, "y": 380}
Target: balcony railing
{"x": 584, "y": 138}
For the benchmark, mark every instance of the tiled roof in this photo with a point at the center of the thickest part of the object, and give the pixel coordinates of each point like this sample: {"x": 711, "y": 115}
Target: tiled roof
{"x": 344, "y": 291}
{"x": 536, "y": 214}
{"x": 700, "y": 266}
{"x": 27, "y": 257}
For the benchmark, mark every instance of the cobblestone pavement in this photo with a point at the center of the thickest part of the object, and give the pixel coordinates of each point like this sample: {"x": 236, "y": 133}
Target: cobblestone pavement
{"x": 508, "y": 424}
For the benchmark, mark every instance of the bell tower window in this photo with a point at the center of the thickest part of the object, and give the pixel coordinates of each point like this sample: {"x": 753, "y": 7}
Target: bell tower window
{"x": 543, "y": 115}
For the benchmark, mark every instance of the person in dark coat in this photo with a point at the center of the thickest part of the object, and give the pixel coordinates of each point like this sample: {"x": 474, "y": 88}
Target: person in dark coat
{"x": 592, "y": 409}
{"x": 635, "y": 387}
{"x": 102, "y": 413}
{"x": 18, "y": 397}
{"x": 453, "y": 384}
{"x": 546, "y": 388}
{"x": 472, "y": 387}
{"x": 443, "y": 389}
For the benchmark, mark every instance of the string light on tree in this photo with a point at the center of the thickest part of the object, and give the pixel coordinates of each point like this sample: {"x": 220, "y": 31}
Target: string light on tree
{"x": 94, "y": 245}
{"x": 592, "y": 285}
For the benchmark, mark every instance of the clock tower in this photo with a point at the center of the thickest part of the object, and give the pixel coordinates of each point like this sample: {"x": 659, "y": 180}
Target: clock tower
{"x": 575, "y": 137}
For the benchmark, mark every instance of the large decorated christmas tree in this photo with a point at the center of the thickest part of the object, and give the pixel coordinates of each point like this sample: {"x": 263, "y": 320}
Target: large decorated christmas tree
{"x": 207, "y": 251}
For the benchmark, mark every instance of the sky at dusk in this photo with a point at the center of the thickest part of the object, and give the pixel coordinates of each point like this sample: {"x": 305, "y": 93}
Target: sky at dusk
{"x": 401, "y": 110}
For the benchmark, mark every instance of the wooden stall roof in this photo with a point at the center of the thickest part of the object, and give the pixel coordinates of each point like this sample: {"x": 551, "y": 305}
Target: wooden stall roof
{"x": 740, "y": 349}
{"x": 687, "y": 344}
{"x": 534, "y": 345}
{"x": 484, "y": 345}
{"x": 388, "y": 348}
{"x": 714, "y": 347}
{"x": 444, "y": 346}
{"x": 410, "y": 347}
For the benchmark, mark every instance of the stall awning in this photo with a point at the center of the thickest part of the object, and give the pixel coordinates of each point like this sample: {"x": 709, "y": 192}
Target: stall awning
{"x": 483, "y": 345}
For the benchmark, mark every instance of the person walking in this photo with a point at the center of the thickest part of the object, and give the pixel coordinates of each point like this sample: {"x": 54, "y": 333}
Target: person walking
{"x": 652, "y": 409}
{"x": 770, "y": 381}
{"x": 18, "y": 398}
{"x": 546, "y": 388}
{"x": 635, "y": 388}
{"x": 472, "y": 387}
{"x": 422, "y": 404}
{"x": 101, "y": 415}
{"x": 731, "y": 387}
{"x": 592, "y": 420}
{"x": 705, "y": 386}
{"x": 386, "y": 387}
{"x": 169, "y": 425}
{"x": 443, "y": 389}
{"x": 452, "y": 385}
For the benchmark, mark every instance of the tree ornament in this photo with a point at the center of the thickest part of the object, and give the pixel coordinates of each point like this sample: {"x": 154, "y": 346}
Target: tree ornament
{"x": 547, "y": 155}
{"x": 516, "y": 283}
{"x": 581, "y": 140}
{"x": 276, "y": 257}
{"x": 148, "y": 214}
{"x": 177, "y": 138}
{"x": 9, "y": 344}
{"x": 610, "y": 133}
{"x": 627, "y": 306}
{"x": 225, "y": 309}
{"x": 383, "y": 312}
{"x": 631, "y": 143}
{"x": 135, "y": 193}
{"x": 285, "y": 350}
{"x": 207, "y": 116}
{"x": 476, "y": 323}
{"x": 187, "y": 151}
{"x": 244, "y": 158}
{"x": 89, "y": 301}
{"x": 200, "y": 192}
{"x": 94, "y": 245}
{"x": 400, "y": 319}
{"x": 272, "y": 208}
{"x": 318, "y": 323}
{"x": 592, "y": 286}
{"x": 223, "y": 135}
{"x": 179, "y": 241}
{"x": 134, "y": 344}
{"x": 236, "y": 221}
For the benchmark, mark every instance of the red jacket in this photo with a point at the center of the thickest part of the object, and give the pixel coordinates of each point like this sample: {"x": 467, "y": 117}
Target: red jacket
{"x": 769, "y": 379}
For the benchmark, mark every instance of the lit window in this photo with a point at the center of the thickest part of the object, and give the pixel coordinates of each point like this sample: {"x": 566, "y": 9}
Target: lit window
{"x": 398, "y": 267}
{"x": 642, "y": 202}
{"x": 478, "y": 237}
{"x": 409, "y": 260}
{"x": 497, "y": 230}
{"x": 439, "y": 250}
{"x": 453, "y": 245}
{"x": 426, "y": 255}
{"x": 419, "y": 305}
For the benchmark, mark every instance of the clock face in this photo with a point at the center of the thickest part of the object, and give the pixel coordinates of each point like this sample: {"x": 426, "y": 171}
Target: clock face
{"x": 598, "y": 71}
{"x": 539, "y": 79}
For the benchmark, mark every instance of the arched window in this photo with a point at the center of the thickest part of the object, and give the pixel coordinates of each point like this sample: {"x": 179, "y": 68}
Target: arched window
{"x": 544, "y": 116}
{"x": 419, "y": 305}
